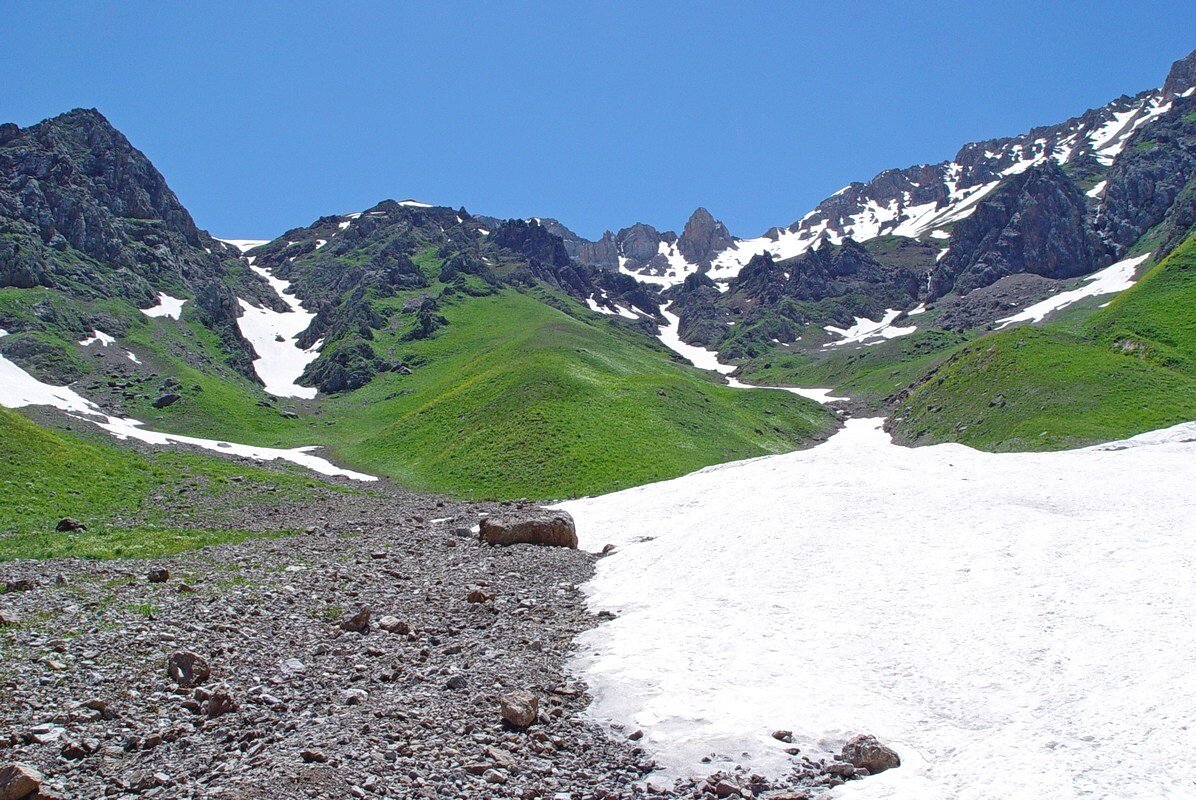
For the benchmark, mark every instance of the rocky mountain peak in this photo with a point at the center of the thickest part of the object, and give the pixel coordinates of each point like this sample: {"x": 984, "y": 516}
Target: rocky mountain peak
{"x": 1182, "y": 75}
{"x": 117, "y": 175}
{"x": 704, "y": 237}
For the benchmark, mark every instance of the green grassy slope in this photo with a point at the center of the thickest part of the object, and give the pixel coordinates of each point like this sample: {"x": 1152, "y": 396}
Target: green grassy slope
{"x": 868, "y": 375}
{"x": 116, "y": 490}
{"x": 522, "y": 394}
{"x": 518, "y": 398}
{"x": 1131, "y": 367}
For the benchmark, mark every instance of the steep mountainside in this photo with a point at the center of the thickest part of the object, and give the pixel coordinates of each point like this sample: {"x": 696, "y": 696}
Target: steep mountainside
{"x": 1079, "y": 199}
{"x": 84, "y": 213}
{"x": 927, "y": 200}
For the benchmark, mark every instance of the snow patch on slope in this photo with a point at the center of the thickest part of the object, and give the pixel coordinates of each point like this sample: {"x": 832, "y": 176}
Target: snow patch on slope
{"x": 1110, "y": 280}
{"x": 274, "y": 334}
{"x": 97, "y": 336}
{"x": 19, "y": 389}
{"x": 167, "y": 307}
{"x": 1014, "y": 625}
{"x": 869, "y": 332}
{"x": 705, "y": 359}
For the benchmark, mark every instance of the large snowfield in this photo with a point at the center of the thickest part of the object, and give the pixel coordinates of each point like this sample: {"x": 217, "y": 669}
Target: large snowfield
{"x": 1016, "y": 625}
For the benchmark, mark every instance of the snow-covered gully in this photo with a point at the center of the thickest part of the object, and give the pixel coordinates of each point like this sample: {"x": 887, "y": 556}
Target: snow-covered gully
{"x": 274, "y": 335}
{"x": 705, "y": 359}
{"x": 1015, "y": 625}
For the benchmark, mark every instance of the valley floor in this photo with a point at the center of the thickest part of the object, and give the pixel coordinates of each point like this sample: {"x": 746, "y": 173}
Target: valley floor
{"x": 313, "y": 710}
{"x": 1014, "y": 625}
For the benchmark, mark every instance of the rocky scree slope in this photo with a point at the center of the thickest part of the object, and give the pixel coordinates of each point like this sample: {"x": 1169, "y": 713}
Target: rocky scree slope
{"x": 381, "y": 652}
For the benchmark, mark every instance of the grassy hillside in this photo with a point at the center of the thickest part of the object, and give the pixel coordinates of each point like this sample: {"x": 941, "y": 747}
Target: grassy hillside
{"x": 116, "y": 490}
{"x": 518, "y": 398}
{"x": 1131, "y": 367}
{"x": 868, "y": 375}
{"x": 521, "y": 394}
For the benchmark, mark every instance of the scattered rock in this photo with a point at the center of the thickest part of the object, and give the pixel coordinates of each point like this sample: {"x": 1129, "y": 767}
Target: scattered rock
{"x": 221, "y": 703}
{"x": 519, "y": 708}
{"x": 159, "y": 575}
{"x": 313, "y": 757}
{"x": 394, "y": 625}
{"x": 551, "y": 528}
{"x": 69, "y": 525}
{"x": 727, "y": 789}
{"x": 480, "y": 596}
{"x": 358, "y": 622}
{"x": 166, "y": 399}
{"x": 783, "y": 736}
{"x": 494, "y": 776}
{"x": 187, "y": 669}
{"x": 866, "y": 752}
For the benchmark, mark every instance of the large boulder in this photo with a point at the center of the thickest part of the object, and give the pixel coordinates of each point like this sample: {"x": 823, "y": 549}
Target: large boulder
{"x": 865, "y": 752}
{"x": 18, "y": 781}
{"x": 552, "y": 528}
{"x": 519, "y": 708}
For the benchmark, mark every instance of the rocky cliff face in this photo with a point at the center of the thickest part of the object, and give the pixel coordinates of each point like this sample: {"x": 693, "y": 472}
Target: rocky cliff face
{"x": 1034, "y": 222}
{"x": 84, "y": 212}
{"x": 1146, "y": 183}
{"x": 1182, "y": 76}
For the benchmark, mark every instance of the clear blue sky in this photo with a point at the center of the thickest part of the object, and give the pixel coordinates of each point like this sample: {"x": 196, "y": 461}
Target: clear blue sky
{"x": 264, "y": 116}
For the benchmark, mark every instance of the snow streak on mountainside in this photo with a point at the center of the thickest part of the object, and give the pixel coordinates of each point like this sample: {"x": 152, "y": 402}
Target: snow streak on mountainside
{"x": 1014, "y": 625}
{"x": 275, "y": 335}
{"x": 19, "y": 389}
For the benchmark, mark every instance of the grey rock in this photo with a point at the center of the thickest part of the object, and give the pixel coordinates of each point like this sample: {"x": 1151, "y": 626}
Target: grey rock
{"x": 552, "y": 528}
{"x": 519, "y": 708}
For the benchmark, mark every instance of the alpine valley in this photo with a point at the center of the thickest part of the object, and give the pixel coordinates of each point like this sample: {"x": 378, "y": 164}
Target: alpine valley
{"x": 250, "y": 444}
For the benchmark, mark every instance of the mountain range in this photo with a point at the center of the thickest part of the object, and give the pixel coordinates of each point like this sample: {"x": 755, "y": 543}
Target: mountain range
{"x": 455, "y": 351}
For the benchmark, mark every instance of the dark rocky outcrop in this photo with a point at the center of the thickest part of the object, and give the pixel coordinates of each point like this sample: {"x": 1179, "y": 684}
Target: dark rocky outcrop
{"x": 1154, "y": 179}
{"x": 1034, "y": 222}
{"x": 84, "y": 212}
{"x": 603, "y": 254}
{"x": 704, "y": 238}
{"x": 531, "y": 241}
{"x": 345, "y": 365}
{"x": 1182, "y": 75}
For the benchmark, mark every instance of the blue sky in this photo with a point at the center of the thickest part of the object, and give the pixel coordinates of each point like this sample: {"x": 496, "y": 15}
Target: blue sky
{"x": 263, "y": 116}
